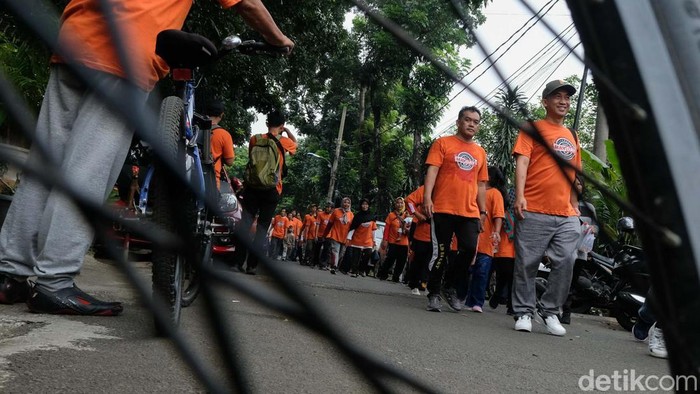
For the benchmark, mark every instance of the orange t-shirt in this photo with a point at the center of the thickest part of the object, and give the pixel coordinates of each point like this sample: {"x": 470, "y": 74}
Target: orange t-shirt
{"x": 394, "y": 223}
{"x": 323, "y": 220}
{"x": 221, "y": 150}
{"x": 297, "y": 224}
{"x": 547, "y": 190}
{"x": 84, "y": 33}
{"x": 279, "y": 226}
{"x": 506, "y": 248}
{"x": 414, "y": 202}
{"x": 340, "y": 225}
{"x": 494, "y": 209}
{"x": 363, "y": 236}
{"x": 288, "y": 146}
{"x": 310, "y": 226}
{"x": 462, "y": 165}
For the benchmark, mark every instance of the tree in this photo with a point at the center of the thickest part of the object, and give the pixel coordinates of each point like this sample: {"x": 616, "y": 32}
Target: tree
{"x": 497, "y": 134}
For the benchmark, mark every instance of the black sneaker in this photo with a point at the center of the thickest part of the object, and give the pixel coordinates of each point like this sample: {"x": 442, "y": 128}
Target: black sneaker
{"x": 70, "y": 301}
{"x": 13, "y": 291}
{"x": 452, "y": 300}
{"x": 565, "y": 318}
{"x": 493, "y": 302}
{"x": 251, "y": 270}
{"x": 434, "y": 303}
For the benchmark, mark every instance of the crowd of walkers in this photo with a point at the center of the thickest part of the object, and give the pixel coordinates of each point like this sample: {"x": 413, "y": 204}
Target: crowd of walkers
{"x": 447, "y": 238}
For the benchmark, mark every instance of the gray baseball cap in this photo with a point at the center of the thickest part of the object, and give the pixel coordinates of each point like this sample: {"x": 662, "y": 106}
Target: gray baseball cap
{"x": 558, "y": 84}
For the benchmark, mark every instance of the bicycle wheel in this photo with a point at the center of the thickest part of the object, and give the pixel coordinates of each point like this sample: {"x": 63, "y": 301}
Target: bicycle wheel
{"x": 648, "y": 51}
{"x": 169, "y": 265}
{"x": 191, "y": 279}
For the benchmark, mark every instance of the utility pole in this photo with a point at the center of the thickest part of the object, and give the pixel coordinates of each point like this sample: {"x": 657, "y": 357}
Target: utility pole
{"x": 581, "y": 96}
{"x": 601, "y": 134}
{"x": 338, "y": 144}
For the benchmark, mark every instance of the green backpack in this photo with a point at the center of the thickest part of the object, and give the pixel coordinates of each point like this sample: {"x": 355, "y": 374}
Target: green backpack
{"x": 262, "y": 170}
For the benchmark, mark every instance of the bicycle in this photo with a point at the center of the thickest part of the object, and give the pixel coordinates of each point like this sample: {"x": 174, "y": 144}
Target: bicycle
{"x": 186, "y": 204}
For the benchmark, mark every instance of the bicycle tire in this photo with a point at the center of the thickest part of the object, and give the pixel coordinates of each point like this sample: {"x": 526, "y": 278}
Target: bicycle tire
{"x": 191, "y": 277}
{"x": 648, "y": 50}
{"x": 168, "y": 265}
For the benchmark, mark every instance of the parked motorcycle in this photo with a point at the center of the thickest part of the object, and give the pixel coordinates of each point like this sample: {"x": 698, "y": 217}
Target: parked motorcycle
{"x": 618, "y": 284}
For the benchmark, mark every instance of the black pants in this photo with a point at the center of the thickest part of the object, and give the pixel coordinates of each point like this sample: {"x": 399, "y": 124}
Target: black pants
{"x": 255, "y": 202}
{"x": 316, "y": 255}
{"x": 503, "y": 268}
{"x": 395, "y": 255}
{"x": 418, "y": 267}
{"x": 467, "y": 232}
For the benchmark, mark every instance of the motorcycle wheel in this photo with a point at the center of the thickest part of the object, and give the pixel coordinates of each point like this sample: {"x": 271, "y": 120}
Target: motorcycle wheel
{"x": 625, "y": 319}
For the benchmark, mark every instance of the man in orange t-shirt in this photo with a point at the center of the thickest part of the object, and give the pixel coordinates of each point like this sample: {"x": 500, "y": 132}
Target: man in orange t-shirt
{"x": 34, "y": 240}
{"x": 421, "y": 246}
{"x": 296, "y": 224}
{"x": 322, "y": 245}
{"x": 221, "y": 141}
{"x": 263, "y": 202}
{"x": 309, "y": 232}
{"x": 546, "y": 206}
{"x": 337, "y": 231}
{"x": 278, "y": 229}
{"x": 455, "y": 199}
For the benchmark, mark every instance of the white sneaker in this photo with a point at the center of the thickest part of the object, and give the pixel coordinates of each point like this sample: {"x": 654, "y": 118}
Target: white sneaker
{"x": 657, "y": 344}
{"x": 554, "y": 326}
{"x": 415, "y": 291}
{"x": 524, "y": 323}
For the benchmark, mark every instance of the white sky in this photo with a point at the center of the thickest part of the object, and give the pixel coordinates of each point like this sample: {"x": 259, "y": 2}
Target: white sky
{"x": 503, "y": 19}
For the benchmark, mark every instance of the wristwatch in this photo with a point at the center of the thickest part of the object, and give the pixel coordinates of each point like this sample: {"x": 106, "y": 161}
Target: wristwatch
{"x": 483, "y": 213}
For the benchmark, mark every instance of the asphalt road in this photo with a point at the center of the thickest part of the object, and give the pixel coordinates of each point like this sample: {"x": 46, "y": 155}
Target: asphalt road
{"x": 450, "y": 352}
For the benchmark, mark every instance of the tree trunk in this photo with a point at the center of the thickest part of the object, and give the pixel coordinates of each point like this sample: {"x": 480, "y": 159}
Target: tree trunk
{"x": 601, "y": 134}
{"x": 416, "y": 164}
{"x": 382, "y": 197}
{"x": 364, "y": 145}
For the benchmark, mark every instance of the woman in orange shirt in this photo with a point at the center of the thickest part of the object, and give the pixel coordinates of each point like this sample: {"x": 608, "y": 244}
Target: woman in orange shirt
{"x": 360, "y": 240}
{"x": 504, "y": 258}
{"x": 395, "y": 241}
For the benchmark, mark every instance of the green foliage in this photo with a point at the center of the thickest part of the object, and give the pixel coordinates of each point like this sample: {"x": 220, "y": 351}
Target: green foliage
{"x": 610, "y": 176}
{"x": 24, "y": 64}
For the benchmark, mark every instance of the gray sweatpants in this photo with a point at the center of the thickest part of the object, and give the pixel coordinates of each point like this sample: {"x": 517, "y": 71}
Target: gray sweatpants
{"x": 45, "y": 234}
{"x": 537, "y": 233}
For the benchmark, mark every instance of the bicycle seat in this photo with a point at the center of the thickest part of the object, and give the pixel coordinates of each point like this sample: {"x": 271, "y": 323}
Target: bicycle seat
{"x": 184, "y": 50}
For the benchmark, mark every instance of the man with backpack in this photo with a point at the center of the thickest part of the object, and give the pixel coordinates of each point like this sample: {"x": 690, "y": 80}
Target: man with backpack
{"x": 263, "y": 184}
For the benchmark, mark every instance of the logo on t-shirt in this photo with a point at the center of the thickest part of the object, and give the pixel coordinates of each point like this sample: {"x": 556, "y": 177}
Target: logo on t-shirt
{"x": 564, "y": 148}
{"x": 465, "y": 161}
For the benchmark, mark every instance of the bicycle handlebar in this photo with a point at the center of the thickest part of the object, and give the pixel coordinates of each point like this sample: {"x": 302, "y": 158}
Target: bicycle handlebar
{"x": 251, "y": 47}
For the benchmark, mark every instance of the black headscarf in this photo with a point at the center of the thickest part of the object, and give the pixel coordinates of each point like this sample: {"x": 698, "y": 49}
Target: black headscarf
{"x": 361, "y": 216}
